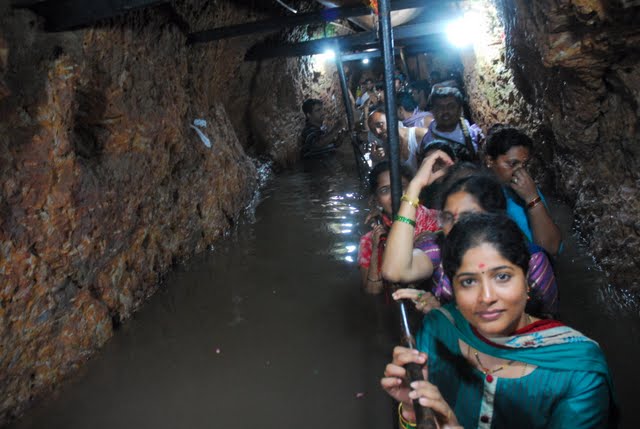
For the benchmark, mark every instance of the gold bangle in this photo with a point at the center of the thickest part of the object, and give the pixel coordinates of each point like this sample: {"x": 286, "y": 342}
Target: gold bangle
{"x": 404, "y": 423}
{"x": 414, "y": 203}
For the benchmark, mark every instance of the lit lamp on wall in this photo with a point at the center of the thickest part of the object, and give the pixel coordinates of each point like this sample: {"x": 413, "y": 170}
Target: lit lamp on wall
{"x": 329, "y": 55}
{"x": 467, "y": 30}
{"x": 320, "y": 60}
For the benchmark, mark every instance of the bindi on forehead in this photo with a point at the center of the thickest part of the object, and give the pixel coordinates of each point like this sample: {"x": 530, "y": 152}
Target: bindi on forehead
{"x": 481, "y": 266}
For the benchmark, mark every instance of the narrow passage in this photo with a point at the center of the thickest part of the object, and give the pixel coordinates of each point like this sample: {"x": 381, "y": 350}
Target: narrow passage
{"x": 269, "y": 329}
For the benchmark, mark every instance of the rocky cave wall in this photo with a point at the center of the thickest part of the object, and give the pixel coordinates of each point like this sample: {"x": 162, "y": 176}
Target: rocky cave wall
{"x": 568, "y": 72}
{"x": 103, "y": 184}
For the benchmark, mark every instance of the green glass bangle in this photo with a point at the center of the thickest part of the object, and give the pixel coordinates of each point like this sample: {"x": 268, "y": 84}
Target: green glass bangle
{"x": 405, "y": 220}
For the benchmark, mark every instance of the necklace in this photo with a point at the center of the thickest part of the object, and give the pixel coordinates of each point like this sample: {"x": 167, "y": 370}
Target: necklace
{"x": 489, "y": 372}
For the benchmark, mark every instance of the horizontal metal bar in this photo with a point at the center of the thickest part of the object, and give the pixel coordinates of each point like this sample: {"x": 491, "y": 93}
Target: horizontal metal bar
{"x": 327, "y": 15}
{"x": 361, "y": 56}
{"x": 63, "y": 15}
{"x": 344, "y": 43}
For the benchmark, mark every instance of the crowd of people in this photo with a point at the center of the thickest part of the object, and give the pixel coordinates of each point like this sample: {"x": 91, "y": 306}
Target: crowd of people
{"x": 472, "y": 247}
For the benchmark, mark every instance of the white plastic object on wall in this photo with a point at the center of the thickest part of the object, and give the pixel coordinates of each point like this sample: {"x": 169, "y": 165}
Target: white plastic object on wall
{"x": 201, "y": 123}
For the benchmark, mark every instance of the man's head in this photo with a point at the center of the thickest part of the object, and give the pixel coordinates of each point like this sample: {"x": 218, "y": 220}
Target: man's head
{"x": 312, "y": 109}
{"x": 368, "y": 84}
{"x": 399, "y": 80}
{"x": 434, "y": 77}
{"x": 406, "y": 105}
{"x": 420, "y": 91}
{"x": 446, "y": 105}
{"x": 378, "y": 123}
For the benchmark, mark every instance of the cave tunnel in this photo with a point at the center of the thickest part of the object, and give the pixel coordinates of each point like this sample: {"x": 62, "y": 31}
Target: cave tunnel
{"x": 181, "y": 243}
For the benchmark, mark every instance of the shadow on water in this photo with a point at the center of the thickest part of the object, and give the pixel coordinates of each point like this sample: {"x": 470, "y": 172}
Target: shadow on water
{"x": 269, "y": 329}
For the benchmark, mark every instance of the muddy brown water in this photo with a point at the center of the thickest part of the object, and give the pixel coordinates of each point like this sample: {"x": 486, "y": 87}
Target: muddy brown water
{"x": 269, "y": 329}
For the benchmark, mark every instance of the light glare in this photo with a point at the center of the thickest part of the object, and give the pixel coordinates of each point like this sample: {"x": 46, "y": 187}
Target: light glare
{"x": 465, "y": 31}
{"x": 329, "y": 54}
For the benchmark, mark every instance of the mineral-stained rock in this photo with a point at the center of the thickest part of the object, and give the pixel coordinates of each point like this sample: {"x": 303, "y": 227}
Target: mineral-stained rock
{"x": 568, "y": 74}
{"x": 104, "y": 183}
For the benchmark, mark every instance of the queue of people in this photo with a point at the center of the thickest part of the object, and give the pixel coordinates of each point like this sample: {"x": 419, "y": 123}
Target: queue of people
{"x": 473, "y": 243}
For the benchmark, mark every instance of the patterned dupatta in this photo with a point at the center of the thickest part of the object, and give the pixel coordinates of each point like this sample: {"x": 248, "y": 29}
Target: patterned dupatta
{"x": 549, "y": 344}
{"x": 546, "y": 344}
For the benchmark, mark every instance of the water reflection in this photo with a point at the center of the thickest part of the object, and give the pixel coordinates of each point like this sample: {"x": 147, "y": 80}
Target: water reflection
{"x": 338, "y": 204}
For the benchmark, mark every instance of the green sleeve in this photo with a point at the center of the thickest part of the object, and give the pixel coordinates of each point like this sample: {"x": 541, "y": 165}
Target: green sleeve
{"x": 586, "y": 404}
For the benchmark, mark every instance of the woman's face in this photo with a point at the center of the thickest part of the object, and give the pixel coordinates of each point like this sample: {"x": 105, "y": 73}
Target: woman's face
{"x": 490, "y": 291}
{"x": 383, "y": 192}
{"x": 455, "y": 205}
{"x": 505, "y": 165}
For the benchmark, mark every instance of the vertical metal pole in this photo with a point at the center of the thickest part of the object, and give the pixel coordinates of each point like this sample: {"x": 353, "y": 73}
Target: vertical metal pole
{"x": 345, "y": 89}
{"x": 390, "y": 103}
{"x": 349, "y": 109}
{"x": 424, "y": 416}
{"x": 405, "y": 66}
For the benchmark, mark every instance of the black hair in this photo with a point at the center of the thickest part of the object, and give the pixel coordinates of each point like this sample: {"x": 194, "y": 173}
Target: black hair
{"x": 309, "y": 103}
{"x": 380, "y": 109}
{"x": 440, "y": 145}
{"x": 405, "y": 100}
{"x": 457, "y": 152}
{"x": 421, "y": 85}
{"x": 440, "y": 92}
{"x": 382, "y": 167}
{"x": 486, "y": 190}
{"x": 457, "y": 171}
{"x": 501, "y": 138}
{"x": 474, "y": 229}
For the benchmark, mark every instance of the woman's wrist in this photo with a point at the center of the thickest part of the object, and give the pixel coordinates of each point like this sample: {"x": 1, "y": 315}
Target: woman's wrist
{"x": 413, "y": 190}
{"x": 532, "y": 202}
{"x": 406, "y": 413}
{"x": 413, "y": 202}
{"x": 531, "y": 196}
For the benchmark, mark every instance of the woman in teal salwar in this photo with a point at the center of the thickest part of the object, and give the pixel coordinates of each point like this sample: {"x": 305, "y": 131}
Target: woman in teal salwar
{"x": 488, "y": 363}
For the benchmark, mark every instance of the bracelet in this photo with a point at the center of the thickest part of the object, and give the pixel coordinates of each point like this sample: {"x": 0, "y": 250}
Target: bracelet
{"x": 374, "y": 281}
{"x": 534, "y": 202}
{"x": 404, "y": 423}
{"x": 414, "y": 203}
{"x": 405, "y": 220}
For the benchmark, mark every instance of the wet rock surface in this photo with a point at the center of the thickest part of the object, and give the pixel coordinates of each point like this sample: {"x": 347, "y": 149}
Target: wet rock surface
{"x": 103, "y": 182}
{"x": 567, "y": 72}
